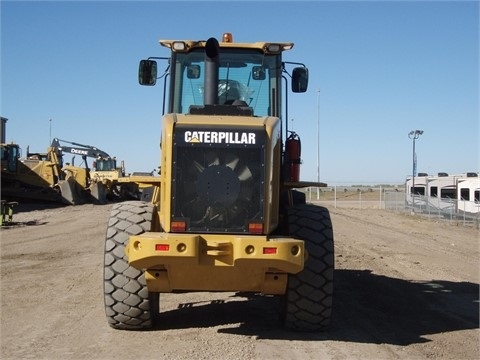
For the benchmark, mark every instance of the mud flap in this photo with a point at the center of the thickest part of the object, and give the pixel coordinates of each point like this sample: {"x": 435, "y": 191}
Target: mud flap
{"x": 98, "y": 191}
{"x": 69, "y": 192}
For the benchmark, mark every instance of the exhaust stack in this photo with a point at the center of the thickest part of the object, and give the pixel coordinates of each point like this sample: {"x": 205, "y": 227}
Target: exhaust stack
{"x": 3, "y": 130}
{"x": 212, "y": 49}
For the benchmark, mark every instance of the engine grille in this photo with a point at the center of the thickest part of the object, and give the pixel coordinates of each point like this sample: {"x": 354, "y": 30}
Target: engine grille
{"x": 218, "y": 178}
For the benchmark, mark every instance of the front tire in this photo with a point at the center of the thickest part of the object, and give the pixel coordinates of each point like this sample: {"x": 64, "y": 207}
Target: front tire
{"x": 308, "y": 300}
{"x": 128, "y": 304}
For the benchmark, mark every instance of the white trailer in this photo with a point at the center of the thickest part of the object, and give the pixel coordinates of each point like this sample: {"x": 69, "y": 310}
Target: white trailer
{"x": 415, "y": 190}
{"x": 443, "y": 192}
{"x": 468, "y": 195}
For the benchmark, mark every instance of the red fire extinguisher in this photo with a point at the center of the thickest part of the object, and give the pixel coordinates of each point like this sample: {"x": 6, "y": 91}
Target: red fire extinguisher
{"x": 293, "y": 149}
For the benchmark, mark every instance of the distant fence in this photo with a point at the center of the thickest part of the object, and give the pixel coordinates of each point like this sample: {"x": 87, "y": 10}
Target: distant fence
{"x": 433, "y": 207}
{"x": 361, "y": 197}
{"x": 391, "y": 199}
{"x": 394, "y": 201}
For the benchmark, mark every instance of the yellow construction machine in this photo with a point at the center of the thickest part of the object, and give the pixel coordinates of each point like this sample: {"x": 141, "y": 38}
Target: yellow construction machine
{"x": 49, "y": 177}
{"x": 40, "y": 177}
{"x": 225, "y": 215}
{"x": 103, "y": 178}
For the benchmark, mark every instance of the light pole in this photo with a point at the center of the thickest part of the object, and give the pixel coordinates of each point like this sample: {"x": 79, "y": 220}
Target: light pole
{"x": 414, "y": 135}
{"x": 318, "y": 135}
{"x": 318, "y": 143}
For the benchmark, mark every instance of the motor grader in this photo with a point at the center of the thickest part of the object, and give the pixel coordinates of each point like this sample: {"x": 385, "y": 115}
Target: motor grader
{"x": 226, "y": 215}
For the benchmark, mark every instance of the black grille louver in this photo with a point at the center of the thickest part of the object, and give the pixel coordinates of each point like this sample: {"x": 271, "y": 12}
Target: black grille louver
{"x": 218, "y": 188}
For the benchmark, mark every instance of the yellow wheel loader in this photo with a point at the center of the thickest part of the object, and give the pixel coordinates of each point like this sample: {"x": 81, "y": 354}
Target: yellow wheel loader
{"x": 225, "y": 216}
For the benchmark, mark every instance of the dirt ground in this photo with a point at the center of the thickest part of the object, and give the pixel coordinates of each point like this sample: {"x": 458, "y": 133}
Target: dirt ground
{"x": 405, "y": 287}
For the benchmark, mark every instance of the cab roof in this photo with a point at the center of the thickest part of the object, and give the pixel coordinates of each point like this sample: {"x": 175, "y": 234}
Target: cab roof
{"x": 227, "y": 42}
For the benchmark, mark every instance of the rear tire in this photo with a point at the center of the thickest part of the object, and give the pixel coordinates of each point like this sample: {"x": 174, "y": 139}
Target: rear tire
{"x": 128, "y": 304}
{"x": 308, "y": 300}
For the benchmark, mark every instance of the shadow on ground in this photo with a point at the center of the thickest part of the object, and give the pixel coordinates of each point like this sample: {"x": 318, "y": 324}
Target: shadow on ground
{"x": 368, "y": 308}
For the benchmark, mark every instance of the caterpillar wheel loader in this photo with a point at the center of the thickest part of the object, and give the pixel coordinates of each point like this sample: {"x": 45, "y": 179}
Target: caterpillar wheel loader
{"x": 225, "y": 216}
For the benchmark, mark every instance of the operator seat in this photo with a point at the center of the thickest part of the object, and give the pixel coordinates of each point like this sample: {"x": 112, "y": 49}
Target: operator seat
{"x": 228, "y": 92}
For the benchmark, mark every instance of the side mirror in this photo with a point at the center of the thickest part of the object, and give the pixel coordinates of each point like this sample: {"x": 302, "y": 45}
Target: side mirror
{"x": 258, "y": 73}
{"x": 300, "y": 79}
{"x": 147, "y": 72}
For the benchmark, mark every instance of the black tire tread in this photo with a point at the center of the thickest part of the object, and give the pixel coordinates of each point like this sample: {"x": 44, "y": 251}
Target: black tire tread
{"x": 308, "y": 301}
{"x": 128, "y": 304}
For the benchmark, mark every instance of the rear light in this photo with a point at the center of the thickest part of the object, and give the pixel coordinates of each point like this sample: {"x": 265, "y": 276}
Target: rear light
{"x": 269, "y": 250}
{"x": 162, "y": 247}
{"x": 179, "y": 226}
{"x": 255, "y": 228}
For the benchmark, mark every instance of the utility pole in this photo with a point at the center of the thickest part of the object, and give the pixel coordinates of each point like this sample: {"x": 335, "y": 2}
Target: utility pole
{"x": 414, "y": 135}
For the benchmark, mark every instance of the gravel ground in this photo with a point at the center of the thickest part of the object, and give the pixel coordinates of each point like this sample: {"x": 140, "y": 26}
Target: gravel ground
{"x": 405, "y": 287}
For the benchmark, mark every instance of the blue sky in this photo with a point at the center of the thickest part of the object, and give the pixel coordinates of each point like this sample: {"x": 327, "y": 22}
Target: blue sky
{"x": 383, "y": 69}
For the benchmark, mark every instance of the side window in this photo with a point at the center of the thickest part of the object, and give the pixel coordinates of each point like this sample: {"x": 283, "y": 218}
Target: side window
{"x": 4, "y": 153}
{"x": 418, "y": 190}
{"x": 191, "y": 86}
{"x": 448, "y": 193}
{"x": 465, "y": 194}
{"x": 259, "y": 94}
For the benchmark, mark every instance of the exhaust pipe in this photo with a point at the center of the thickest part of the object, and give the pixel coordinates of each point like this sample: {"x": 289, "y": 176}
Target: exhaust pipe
{"x": 212, "y": 49}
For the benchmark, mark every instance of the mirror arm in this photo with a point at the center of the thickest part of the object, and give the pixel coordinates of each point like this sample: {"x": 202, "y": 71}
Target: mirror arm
{"x": 293, "y": 63}
{"x": 158, "y": 58}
